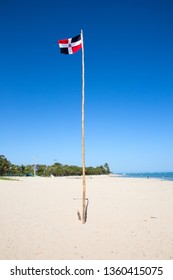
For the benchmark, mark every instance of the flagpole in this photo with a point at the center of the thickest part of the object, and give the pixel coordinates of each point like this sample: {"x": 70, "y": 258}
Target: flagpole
{"x": 83, "y": 138}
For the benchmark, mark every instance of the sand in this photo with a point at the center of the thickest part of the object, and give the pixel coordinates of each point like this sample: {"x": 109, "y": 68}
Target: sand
{"x": 127, "y": 219}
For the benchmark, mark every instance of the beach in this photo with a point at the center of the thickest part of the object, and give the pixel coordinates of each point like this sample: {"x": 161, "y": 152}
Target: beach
{"x": 127, "y": 219}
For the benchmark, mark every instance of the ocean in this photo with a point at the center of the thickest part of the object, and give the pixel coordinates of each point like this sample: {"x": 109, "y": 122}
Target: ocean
{"x": 158, "y": 175}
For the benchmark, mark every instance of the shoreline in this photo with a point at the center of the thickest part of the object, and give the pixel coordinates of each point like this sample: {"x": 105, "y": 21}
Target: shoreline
{"x": 112, "y": 175}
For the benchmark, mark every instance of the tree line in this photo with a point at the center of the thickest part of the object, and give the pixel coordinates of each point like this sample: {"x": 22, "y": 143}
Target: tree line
{"x": 57, "y": 169}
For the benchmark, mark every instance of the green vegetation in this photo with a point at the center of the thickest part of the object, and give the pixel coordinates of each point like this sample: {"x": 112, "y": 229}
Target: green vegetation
{"x": 57, "y": 169}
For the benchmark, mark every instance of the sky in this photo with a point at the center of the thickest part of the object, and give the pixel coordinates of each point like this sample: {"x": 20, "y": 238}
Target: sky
{"x": 128, "y": 47}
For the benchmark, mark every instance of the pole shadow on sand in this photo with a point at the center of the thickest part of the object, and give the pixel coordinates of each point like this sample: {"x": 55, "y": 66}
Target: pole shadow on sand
{"x": 86, "y": 211}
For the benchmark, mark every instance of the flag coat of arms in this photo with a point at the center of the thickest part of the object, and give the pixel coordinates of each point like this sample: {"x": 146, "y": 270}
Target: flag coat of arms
{"x": 71, "y": 45}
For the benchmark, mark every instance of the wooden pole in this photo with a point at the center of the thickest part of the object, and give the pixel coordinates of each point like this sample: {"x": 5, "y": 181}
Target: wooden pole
{"x": 83, "y": 138}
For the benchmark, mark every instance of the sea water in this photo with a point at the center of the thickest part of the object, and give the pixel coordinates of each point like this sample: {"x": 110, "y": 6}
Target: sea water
{"x": 157, "y": 175}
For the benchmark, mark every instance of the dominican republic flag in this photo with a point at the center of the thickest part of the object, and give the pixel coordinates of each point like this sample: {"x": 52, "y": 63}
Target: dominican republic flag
{"x": 70, "y": 46}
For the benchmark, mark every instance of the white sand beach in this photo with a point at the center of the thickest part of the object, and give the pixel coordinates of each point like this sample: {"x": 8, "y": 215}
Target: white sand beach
{"x": 126, "y": 219}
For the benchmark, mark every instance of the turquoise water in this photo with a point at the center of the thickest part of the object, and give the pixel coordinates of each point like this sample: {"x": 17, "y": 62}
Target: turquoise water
{"x": 158, "y": 175}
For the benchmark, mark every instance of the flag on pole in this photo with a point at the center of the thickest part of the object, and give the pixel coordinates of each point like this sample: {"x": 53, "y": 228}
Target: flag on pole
{"x": 71, "y": 45}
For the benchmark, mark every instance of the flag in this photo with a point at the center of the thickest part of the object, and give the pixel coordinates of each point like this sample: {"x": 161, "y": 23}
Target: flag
{"x": 70, "y": 46}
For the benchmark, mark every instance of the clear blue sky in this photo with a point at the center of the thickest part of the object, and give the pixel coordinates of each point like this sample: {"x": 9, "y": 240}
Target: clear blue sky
{"x": 128, "y": 77}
